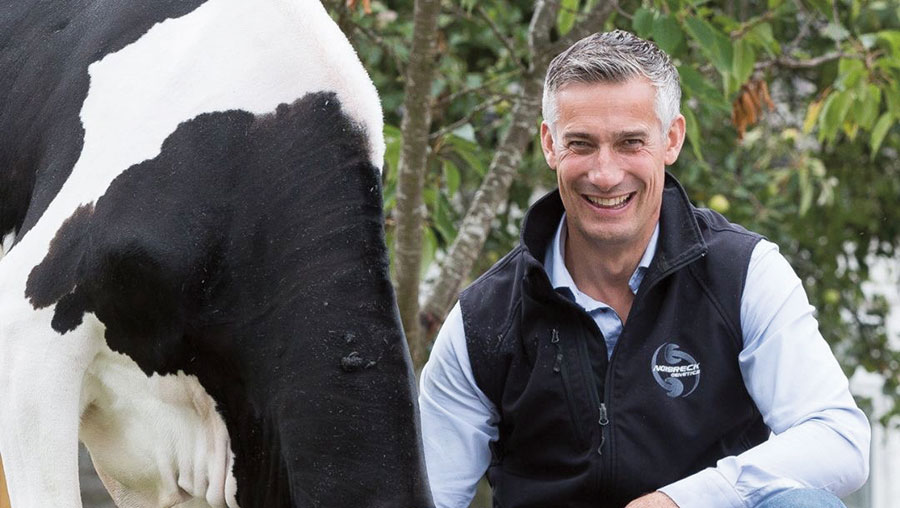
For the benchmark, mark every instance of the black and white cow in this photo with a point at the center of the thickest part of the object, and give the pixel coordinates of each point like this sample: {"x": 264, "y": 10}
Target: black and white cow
{"x": 195, "y": 281}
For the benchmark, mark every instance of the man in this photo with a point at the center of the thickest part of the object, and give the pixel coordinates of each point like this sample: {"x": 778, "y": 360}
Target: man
{"x": 634, "y": 350}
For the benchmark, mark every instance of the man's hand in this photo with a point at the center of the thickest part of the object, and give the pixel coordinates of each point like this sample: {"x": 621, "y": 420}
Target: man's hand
{"x": 654, "y": 500}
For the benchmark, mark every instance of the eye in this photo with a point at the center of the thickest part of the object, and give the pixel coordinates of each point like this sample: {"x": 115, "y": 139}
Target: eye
{"x": 578, "y": 145}
{"x": 633, "y": 143}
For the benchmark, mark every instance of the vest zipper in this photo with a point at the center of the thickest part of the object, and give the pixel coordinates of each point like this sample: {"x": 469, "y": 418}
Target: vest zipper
{"x": 605, "y": 459}
{"x": 604, "y": 421}
{"x": 559, "y": 356}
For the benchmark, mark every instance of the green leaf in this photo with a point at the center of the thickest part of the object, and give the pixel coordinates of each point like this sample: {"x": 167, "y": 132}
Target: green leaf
{"x": 823, "y": 6}
{"x": 812, "y": 114}
{"x": 589, "y": 5}
{"x": 730, "y": 84}
{"x": 868, "y": 106}
{"x": 429, "y": 247}
{"x": 744, "y": 58}
{"x": 698, "y": 87}
{"x": 892, "y": 95}
{"x": 806, "y": 192}
{"x": 642, "y": 22}
{"x": 763, "y": 36}
{"x": 393, "y": 140}
{"x": 714, "y": 44}
{"x": 667, "y": 33}
{"x": 469, "y": 152}
{"x": 451, "y": 176}
{"x": 879, "y": 132}
{"x": 833, "y": 112}
{"x": 835, "y": 32}
{"x": 430, "y": 196}
{"x": 693, "y": 132}
{"x": 891, "y": 38}
{"x": 850, "y": 72}
{"x": 443, "y": 221}
{"x": 565, "y": 20}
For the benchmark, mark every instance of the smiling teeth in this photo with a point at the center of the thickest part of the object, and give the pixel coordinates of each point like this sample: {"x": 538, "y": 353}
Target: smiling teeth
{"x": 608, "y": 202}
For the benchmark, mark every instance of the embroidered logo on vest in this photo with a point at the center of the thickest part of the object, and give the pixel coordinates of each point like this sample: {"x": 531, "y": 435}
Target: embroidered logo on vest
{"x": 674, "y": 370}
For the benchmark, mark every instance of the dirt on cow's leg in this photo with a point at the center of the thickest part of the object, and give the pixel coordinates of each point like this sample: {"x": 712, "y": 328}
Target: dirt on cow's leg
{"x": 4, "y": 497}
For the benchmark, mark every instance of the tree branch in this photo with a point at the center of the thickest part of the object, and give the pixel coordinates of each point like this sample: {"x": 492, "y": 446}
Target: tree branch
{"x": 467, "y": 118}
{"x": 484, "y": 86}
{"x": 542, "y": 21}
{"x": 622, "y": 12}
{"x": 590, "y": 23}
{"x": 748, "y": 25}
{"x": 793, "y": 63}
{"x": 502, "y": 38}
{"x": 379, "y": 41}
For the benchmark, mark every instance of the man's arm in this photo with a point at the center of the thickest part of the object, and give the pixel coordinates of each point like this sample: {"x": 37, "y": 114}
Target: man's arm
{"x": 458, "y": 420}
{"x": 821, "y": 438}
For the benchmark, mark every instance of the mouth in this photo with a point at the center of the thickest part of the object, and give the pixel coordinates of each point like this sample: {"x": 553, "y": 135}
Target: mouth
{"x": 613, "y": 203}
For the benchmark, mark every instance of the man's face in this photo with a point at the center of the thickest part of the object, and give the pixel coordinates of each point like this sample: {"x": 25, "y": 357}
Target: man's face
{"x": 609, "y": 155}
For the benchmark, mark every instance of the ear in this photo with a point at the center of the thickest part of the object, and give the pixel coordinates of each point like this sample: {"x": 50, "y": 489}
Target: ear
{"x": 674, "y": 140}
{"x": 547, "y": 146}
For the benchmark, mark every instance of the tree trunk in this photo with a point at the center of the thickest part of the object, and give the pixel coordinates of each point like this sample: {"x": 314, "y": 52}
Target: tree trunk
{"x": 409, "y": 212}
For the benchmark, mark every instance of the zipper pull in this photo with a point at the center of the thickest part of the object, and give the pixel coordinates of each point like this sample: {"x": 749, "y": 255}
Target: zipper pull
{"x": 604, "y": 420}
{"x": 559, "y": 356}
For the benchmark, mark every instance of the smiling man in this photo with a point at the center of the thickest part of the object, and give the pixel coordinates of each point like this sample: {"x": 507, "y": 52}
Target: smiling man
{"x": 634, "y": 350}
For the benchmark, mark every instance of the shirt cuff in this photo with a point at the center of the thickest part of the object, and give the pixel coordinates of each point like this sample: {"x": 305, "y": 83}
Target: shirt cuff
{"x": 706, "y": 489}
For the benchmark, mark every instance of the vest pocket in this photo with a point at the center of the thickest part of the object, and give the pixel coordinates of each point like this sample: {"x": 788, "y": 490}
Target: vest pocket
{"x": 562, "y": 370}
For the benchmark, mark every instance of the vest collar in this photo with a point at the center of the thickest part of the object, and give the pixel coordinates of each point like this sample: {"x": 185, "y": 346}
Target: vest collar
{"x": 680, "y": 241}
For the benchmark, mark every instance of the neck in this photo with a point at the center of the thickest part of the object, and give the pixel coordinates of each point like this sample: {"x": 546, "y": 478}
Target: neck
{"x": 602, "y": 270}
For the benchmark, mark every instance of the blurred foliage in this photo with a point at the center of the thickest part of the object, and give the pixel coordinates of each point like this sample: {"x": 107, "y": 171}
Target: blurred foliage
{"x": 792, "y": 110}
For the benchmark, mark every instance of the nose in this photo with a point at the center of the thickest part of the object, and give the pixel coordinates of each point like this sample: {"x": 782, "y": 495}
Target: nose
{"x": 606, "y": 172}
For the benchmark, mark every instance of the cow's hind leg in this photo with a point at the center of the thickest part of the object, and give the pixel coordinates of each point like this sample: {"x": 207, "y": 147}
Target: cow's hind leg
{"x": 41, "y": 376}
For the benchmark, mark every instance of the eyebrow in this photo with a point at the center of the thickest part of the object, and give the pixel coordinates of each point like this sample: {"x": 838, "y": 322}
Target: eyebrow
{"x": 635, "y": 133}
{"x": 577, "y": 135}
{"x": 639, "y": 133}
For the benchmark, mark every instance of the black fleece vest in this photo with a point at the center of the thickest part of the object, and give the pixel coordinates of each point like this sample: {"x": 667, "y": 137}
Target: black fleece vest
{"x": 578, "y": 430}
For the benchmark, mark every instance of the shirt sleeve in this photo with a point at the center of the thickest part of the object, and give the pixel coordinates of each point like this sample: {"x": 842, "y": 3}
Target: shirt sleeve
{"x": 820, "y": 438}
{"x": 458, "y": 420}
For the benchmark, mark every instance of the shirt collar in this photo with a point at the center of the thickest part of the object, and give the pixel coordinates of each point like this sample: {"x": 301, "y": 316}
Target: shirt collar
{"x": 561, "y": 279}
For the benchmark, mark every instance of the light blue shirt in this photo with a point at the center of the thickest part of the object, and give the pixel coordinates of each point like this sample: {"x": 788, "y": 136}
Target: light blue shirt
{"x": 820, "y": 439}
{"x": 607, "y": 319}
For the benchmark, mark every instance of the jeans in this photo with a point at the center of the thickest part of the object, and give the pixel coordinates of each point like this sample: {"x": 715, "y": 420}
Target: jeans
{"x": 802, "y": 498}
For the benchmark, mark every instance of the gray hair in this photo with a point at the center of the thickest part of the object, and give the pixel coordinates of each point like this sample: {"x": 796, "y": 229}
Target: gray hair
{"x": 614, "y": 57}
